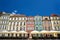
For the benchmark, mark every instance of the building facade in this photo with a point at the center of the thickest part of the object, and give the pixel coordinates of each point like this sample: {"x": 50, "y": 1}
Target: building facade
{"x": 38, "y": 23}
{"x": 4, "y": 20}
{"x": 30, "y": 24}
{"x": 17, "y": 22}
{"x": 55, "y": 21}
{"x": 47, "y": 23}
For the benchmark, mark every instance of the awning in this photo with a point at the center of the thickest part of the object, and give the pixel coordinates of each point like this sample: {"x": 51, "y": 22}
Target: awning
{"x": 44, "y": 31}
{"x": 22, "y": 32}
{"x": 35, "y": 32}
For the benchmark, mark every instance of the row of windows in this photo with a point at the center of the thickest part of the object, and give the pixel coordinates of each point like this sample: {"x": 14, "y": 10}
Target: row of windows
{"x": 30, "y": 22}
{"x": 57, "y": 18}
{"x": 38, "y": 23}
{"x": 21, "y": 18}
{"x": 30, "y": 28}
{"x": 46, "y": 22}
{"x": 56, "y": 22}
{"x": 17, "y": 18}
{"x": 57, "y": 28}
{"x": 48, "y": 28}
{"x": 3, "y": 22}
{"x": 17, "y": 23}
{"x": 38, "y": 18}
{"x": 2, "y": 27}
{"x": 17, "y": 28}
{"x": 21, "y": 28}
{"x": 5, "y": 17}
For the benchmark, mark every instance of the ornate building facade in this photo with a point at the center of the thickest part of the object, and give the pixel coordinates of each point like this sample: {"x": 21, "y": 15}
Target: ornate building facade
{"x": 38, "y": 23}
{"x": 17, "y": 22}
{"x": 4, "y": 20}
{"x": 55, "y": 21}
{"x": 47, "y": 23}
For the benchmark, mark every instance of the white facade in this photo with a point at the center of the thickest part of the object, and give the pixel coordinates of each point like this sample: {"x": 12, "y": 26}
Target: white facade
{"x": 17, "y": 23}
{"x": 4, "y": 20}
{"x": 55, "y": 21}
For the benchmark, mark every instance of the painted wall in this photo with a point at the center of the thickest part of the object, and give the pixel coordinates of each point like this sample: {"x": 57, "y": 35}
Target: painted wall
{"x": 38, "y": 23}
{"x": 30, "y": 24}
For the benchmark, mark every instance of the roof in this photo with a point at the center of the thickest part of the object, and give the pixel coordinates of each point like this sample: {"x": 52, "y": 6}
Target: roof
{"x": 17, "y": 15}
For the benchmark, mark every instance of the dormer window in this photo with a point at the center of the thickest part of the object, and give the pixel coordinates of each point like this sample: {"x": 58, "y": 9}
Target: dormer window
{"x": 46, "y": 18}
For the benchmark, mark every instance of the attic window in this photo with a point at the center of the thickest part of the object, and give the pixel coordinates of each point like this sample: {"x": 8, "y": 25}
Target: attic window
{"x": 46, "y": 18}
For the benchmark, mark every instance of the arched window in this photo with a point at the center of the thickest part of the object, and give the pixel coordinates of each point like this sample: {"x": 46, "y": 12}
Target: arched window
{"x": 46, "y": 18}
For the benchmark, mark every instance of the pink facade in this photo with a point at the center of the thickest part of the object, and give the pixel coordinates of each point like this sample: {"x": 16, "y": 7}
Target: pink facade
{"x": 30, "y": 24}
{"x": 47, "y": 23}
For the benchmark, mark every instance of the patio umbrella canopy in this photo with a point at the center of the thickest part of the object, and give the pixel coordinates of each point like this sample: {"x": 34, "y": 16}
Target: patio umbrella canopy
{"x": 22, "y": 32}
{"x": 54, "y": 31}
{"x": 35, "y": 32}
{"x": 44, "y": 31}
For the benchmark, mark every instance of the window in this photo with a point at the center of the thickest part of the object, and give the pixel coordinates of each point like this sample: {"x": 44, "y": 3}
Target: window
{"x": 30, "y": 28}
{"x": 21, "y": 24}
{"x": 3, "y": 17}
{"x": 35, "y": 18}
{"x": 16, "y": 28}
{"x": 57, "y": 18}
{"x": 54, "y": 22}
{"x": 27, "y": 22}
{"x": 46, "y": 18}
{"x": 22, "y": 28}
{"x": 13, "y": 28}
{"x": 36, "y": 28}
{"x": 17, "y": 23}
{"x": 51, "y": 17}
{"x": 5, "y": 22}
{"x": 56, "y": 28}
{"x": 10, "y": 19}
{"x": 40, "y": 23}
{"x": 31, "y": 18}
{"x": 9, "y": 23}
{"x": 16, "y": 18}
{"x": 13, "y": 18}
{"x": 28, "y": 18}
{"x": 9, "y": 28}
{"x": 57, "y": 22}
{"x": 6, "y": 17}
{"x": 12, "y": 23}
{"x": 4, "y": 27}
{"x": 23, "y": 18}
{"x": 1, "y": 22}
{"x": 36, "y": 23}
{"x": 0, "y": 26}
{"x": 24, "y": 23}
{"x": 19, "y": 18}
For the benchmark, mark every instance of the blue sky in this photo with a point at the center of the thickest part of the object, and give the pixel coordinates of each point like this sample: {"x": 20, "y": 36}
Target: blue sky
{"x": 31, "y": 7}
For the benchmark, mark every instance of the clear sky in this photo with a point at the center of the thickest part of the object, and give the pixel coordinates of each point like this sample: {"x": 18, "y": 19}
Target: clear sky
{"x": 31, "y": 7}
